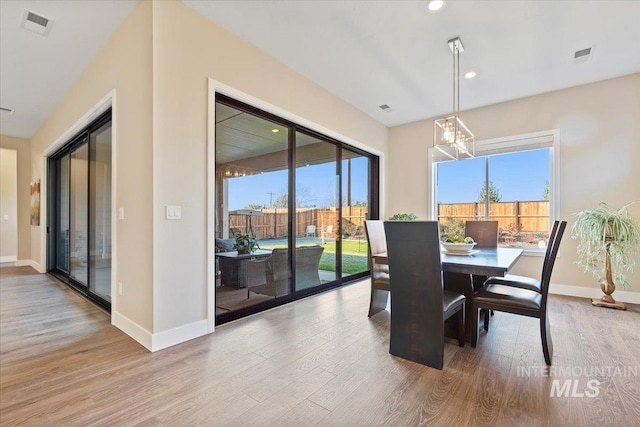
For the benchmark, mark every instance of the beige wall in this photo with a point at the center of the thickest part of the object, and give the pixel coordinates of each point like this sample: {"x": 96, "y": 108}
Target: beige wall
{"x": 599, "y": 150}
{"x": 189, "y": 49}
{"x": 22, "y": 148}
{"x": 8, "y": 204}
{"x": 159, "y": 63}
{"x": 123, "y": 64}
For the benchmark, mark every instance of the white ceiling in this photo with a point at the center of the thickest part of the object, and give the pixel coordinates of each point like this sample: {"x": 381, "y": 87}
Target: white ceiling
{"x": 36, "y": 71}
{"x": 366, "y": 52}
{"x": 395, "y": 52}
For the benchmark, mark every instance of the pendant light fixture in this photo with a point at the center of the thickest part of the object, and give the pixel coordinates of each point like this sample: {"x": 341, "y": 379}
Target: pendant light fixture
{"x": 450, "y": 135}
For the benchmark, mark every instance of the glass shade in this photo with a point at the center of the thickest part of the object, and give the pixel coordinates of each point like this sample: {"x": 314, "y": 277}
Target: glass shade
{"x": 453, "y": 139}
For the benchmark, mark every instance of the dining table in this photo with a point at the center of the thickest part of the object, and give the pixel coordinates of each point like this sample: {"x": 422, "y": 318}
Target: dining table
{"x": 458, "y": 269}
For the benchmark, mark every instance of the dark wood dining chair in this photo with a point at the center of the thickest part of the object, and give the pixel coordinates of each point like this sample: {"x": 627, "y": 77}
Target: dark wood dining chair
{"x": 525, "y": 302}
{"x": 485, "y": 234}
{"x": 523, "y": 282}
{"x": 419, "y": 303}
{"x": 379, "y": 272}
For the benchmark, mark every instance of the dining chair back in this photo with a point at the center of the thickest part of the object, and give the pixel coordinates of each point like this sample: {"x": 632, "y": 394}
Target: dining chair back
{"x": 419, "y": 303}
{"x": 484, "y": 233}
{"x": 525, "y": 302}
{"x": 379, "y": 272}
{"x": 523, "y": 282}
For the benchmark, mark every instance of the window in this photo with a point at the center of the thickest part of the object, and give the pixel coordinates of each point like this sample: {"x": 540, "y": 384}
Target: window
{"x": 510, "y": 180}
{"x": 301, "y": 195}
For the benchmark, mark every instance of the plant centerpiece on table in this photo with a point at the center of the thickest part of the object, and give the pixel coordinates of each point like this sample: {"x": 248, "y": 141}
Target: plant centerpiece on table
{"x": 608, "y": 240}
{"x": 403, "y": 217}
{"x": 245, "y": 243}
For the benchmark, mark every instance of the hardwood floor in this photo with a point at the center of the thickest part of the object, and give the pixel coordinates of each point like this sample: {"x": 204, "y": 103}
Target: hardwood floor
{"x": 319, "y": 361}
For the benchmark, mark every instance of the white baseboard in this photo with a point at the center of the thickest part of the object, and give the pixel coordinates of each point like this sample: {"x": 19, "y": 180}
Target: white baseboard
{"x": 10, "y": 258}
{"x": 593, "y": 292}
{"x": 161, "y": 340}
{"x": 30, "y": 263}
{"x": 132, "y": 329}
{"x": 179, "y": 335}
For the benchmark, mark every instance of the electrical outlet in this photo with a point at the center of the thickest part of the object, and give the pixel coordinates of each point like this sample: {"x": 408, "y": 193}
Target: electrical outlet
{"x": 121, "y": 213}
{"x": 119, "y": 288}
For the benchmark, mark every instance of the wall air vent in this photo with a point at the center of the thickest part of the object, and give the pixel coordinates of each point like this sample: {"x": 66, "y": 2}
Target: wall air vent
{"x": 37, "y": 23}
{"x": 582, "y": 55}
{"x": 6, "y": 110}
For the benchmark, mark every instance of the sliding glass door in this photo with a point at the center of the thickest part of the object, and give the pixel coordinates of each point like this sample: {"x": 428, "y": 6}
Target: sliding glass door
{"x": 317, "y": 208}
{"x": 80, "y": 212}
{"x": 100, "y": 212}
{"x": 301, "y": 196}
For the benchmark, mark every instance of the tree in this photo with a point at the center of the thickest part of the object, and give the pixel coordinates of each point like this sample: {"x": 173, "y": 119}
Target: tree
{"x": 282, "y": 201}
{"x": 545, "y": 191}
{"x": 253, "y": 206}
{"x": 304, "y": 198}
{"x": 494, "y": 194}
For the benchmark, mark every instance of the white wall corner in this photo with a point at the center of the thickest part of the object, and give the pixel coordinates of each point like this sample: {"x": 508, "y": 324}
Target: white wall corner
{"x": 593, "y": 292}
{"x": 179, "y": 335}
{"x": 132, "y": 329}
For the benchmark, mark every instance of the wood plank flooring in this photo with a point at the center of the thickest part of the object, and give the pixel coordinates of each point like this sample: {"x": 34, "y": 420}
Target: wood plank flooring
{"x": 319, "y": 361}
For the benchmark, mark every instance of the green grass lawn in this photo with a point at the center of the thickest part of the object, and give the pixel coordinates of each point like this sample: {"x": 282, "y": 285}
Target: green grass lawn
{"x": 350, "y": 263}
{"x": 354, "y": 256}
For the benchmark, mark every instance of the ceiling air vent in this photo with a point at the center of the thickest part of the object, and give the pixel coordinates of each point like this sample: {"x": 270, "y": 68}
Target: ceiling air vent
{"x": 6, "y": 110}
{"x": 36, "y": 23}
{"x": 384, "y": 107}
{"x": 582, "y": 55}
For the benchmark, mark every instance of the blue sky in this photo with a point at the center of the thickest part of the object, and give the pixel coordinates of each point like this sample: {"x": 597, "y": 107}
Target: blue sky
{"x": 518, "y": 176}
{"x": 316, "y": 185}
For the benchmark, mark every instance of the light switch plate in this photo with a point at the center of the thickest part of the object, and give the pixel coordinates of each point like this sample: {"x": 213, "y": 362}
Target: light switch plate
{"x": 174, "y": 212}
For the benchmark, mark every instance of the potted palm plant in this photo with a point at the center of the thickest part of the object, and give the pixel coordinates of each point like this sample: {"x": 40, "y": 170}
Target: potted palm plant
{"x": 608, "y": 239}
{"x": 245, "y": 243}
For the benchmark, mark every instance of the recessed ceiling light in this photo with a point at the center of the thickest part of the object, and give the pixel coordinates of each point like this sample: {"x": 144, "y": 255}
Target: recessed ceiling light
{"x": 469, "y": 74}
{"x": 275, "y": 130}
{"x": 435, "y": 5}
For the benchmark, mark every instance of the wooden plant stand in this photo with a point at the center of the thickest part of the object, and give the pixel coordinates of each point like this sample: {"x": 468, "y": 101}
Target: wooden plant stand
{"x": 615, "y": 304}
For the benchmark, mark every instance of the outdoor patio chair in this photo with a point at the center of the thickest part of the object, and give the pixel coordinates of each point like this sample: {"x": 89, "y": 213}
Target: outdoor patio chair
{"x": 271, "y": 276}
{"x": 327, "y": 232}
{"x": 311, "y": 231}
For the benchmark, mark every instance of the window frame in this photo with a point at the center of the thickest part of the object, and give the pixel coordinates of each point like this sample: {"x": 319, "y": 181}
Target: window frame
{"x": 512, "y": 144}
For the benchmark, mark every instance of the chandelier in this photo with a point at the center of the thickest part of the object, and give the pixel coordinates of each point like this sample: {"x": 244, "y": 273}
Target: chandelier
{"x": 450, "y": 135}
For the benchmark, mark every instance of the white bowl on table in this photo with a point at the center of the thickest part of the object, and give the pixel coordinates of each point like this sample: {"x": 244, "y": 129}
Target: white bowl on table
{"x": 458, "y": 247}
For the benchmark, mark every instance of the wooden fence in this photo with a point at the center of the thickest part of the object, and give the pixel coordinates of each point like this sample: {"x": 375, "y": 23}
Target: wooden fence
{"x": 517, "y": 215}
{"x": 274, "y": 221}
